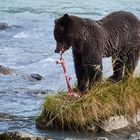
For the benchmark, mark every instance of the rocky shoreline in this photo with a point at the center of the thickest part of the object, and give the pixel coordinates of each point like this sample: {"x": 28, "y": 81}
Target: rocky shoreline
{"x": 16, "y": 135}
{"x": 33, "y": 77}
{"x": 19, "y": 136}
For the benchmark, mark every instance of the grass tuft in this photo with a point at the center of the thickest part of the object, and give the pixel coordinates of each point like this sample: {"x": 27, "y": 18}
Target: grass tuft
{"x": 105, "y": 99}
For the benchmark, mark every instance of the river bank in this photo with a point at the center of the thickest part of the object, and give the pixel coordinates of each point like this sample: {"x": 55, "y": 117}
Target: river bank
{"x": 107, "y": 106}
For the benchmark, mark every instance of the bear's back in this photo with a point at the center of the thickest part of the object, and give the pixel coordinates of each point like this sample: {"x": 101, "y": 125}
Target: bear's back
{"x": 122, "y": 29}
{"x": 119, "y": 20}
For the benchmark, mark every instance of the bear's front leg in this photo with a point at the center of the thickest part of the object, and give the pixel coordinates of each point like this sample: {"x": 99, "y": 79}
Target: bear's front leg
{"x": 93, "y": 64}
{"x": 94, "y": 73}
{"x": 81, "y": 72}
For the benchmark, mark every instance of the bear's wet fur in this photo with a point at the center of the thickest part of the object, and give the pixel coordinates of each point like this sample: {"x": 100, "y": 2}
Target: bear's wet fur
{"x": 117, "y": 35}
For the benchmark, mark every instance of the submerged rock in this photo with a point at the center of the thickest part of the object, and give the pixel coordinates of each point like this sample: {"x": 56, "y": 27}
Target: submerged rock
{"x": 19, "y": 136}
{"x": 5, "y": 70}
{"x": 32, "y": 77}
{"x": 97, "y": 138}
{"x": 4, "y": 26}
{"x": 134, "y": 136}
{"x": 100, "y": 138}
{"x": 35, "y": 77}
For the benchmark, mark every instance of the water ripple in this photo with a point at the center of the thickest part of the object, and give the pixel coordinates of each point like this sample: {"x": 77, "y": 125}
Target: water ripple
{"x": 24, "y": 9}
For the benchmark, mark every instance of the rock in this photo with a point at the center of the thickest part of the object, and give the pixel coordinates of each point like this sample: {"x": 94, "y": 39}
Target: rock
{"x": 36, "y": 76}
{"x": 100, "y": 138}
{"x": 19, "y": 136}
{"x": 4, "y": 26}
{"x": 118, "y": 122}
{"x": 5, "y": 70}
{"x": 137, "y": 117}
{"x": 93, "y": 128}
{"x": 115, "y": 123}
{"x": 97, "y": 138}
{"x": 134, "y": 136}
{"x": 32, "y": 77}
{"x": 41, "y": 123}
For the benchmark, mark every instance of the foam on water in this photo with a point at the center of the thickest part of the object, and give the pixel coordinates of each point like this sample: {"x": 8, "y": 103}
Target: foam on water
{"x": 23, "y": 35}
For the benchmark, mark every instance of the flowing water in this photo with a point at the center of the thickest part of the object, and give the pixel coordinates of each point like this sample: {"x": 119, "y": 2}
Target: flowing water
{"x": 28, "y": 47}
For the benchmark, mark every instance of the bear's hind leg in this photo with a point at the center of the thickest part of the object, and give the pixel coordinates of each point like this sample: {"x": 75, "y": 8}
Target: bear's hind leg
{"x": 117, "y": 64}
{"x": 131, "y": 63}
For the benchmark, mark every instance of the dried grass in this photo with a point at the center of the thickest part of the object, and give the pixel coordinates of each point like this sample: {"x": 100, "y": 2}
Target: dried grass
{"x": 105, "y": 99}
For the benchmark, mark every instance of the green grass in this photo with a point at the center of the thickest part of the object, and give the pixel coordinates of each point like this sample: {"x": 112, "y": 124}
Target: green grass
{"x": 105, "y": 99}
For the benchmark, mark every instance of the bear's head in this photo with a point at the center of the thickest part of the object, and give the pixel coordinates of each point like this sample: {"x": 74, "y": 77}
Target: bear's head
{"x": 62, "y": 33}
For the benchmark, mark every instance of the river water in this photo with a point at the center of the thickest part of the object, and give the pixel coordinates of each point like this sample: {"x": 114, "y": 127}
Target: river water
{"x": 28, "y": 47}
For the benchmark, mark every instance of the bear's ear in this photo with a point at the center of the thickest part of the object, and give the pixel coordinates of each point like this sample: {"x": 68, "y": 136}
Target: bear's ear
{"x": 55, "y": 21}
{"x": 65, "y": 19}
{"x": 66, "y": 16}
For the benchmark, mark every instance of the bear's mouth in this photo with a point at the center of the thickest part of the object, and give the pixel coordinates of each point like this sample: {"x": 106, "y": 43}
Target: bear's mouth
{"x": 62, "y": 51}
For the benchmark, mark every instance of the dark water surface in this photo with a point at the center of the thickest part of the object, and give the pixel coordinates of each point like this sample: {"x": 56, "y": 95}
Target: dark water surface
{"x": 29, "y": 48}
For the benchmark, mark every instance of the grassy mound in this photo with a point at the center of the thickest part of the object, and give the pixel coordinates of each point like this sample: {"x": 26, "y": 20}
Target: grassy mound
{"x": 104, "y": 100}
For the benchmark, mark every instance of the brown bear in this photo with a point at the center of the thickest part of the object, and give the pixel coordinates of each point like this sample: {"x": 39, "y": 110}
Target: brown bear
{"x": 117, "y": 35}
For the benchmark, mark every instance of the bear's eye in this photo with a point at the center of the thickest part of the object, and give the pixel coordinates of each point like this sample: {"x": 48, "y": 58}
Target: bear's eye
{"x": 58, "y": 36}
{"x": 58, "y": 33}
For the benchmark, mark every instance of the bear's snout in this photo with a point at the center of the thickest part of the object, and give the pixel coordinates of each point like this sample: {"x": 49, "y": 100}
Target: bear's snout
{"x": 60, "y": 51}
{"x": 56, "y": 51}
{"x": 59, "y": 47}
